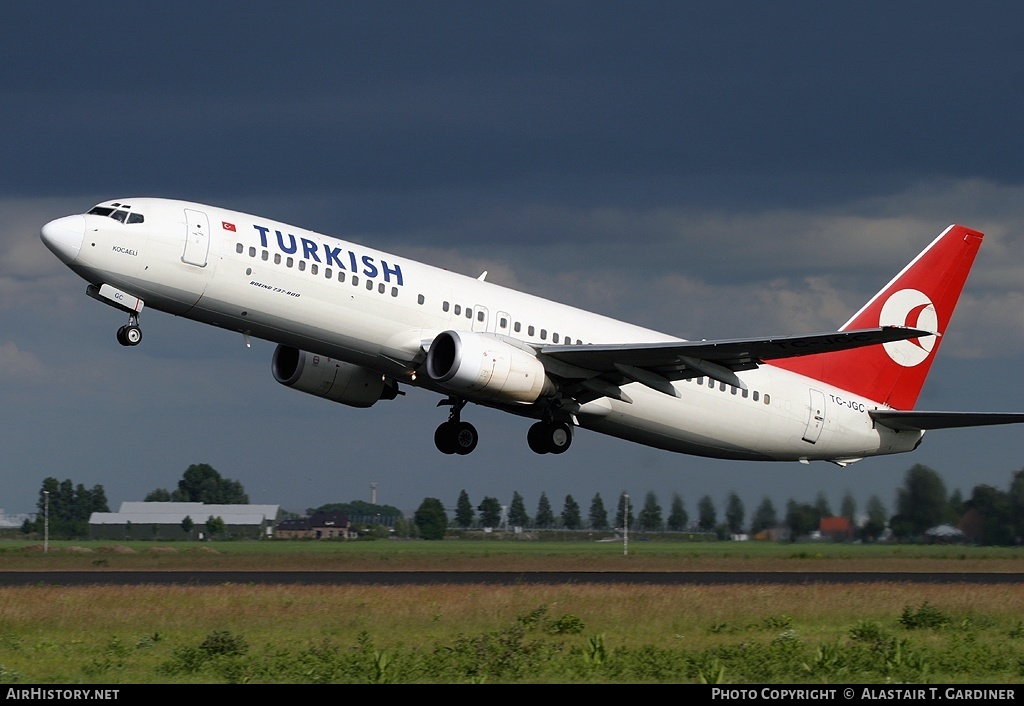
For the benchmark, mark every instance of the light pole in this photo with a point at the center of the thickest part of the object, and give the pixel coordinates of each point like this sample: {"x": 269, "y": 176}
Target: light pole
{"x": 625, "y": 525}
{"x": 46, "y": 521}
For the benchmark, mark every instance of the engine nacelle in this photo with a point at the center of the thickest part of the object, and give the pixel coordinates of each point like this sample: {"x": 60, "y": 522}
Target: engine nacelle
{"x": 463, "y": 361}
{"x": 331, "y": 379}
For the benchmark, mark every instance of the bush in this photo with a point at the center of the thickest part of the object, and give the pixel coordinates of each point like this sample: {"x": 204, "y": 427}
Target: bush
{"x": 926, "y": 617}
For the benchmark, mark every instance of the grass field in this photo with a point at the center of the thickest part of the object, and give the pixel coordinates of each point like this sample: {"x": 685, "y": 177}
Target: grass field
{"x": 496, "y": 555}
{"x": 574, "y": 633}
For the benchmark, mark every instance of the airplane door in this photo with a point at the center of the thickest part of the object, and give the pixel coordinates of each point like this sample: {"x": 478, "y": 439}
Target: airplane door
{"x": 480, "y": 319}
{"x": 197, "y": 238}
{"x": 815, "y": 417}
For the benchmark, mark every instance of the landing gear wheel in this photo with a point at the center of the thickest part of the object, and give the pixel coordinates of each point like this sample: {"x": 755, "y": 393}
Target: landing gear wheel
{"x": 466, "y": 438}
{"x": 132, "y": 335}
{"x": 454, "y": 437}
{"x": 549, "y": 437}
{"x": 559, "y": 437}
{"x": 535, "y": 438}
{"x": 129, "y": 335}
{"x": 444, "y": 438}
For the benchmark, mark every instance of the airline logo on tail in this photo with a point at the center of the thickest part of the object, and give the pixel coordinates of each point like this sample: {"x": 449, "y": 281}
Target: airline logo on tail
{"x": 911, "y": 309}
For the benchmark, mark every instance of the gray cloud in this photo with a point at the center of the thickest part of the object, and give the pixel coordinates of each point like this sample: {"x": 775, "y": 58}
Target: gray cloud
{"x": 709, "y": 170}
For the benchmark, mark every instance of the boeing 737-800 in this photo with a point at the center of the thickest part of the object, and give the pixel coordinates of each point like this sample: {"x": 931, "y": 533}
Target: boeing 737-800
{"x": 353, "y": 324}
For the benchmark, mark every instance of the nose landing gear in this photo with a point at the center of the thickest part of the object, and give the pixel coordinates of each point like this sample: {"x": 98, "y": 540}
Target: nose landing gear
{"x": 130, "y": 334}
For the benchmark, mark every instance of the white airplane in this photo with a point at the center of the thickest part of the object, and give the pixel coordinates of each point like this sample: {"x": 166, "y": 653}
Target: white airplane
{"x": 352, "y": 324}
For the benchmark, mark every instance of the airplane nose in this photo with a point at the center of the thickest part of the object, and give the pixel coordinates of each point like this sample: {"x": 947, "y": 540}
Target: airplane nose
{"x": 64, "y": 237}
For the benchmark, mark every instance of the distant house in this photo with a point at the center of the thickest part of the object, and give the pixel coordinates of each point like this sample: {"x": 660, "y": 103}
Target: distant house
{"x": 322, "y": 525}
{"x": 837, "y": 529}
{"x": 946, "y": 534}
{"x": 163, "y": 521}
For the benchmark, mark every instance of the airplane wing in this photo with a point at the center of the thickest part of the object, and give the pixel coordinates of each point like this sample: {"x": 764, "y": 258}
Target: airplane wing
{"x": 656, "y": 364}
{"x": 913, "y": 420}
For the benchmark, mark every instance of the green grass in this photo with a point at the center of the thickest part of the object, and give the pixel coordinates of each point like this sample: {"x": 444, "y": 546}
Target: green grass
{"x": 573, "y": 633}
{"x": 593, "y": 634}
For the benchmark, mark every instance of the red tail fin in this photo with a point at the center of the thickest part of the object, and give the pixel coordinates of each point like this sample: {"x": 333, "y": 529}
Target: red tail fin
{"x": 922, "y": 296}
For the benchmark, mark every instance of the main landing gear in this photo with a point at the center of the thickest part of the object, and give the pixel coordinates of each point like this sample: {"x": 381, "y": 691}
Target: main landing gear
{"x": 458, "y": 437}
{"x": 455, "y": 436}
{"x": 549, "y": 437}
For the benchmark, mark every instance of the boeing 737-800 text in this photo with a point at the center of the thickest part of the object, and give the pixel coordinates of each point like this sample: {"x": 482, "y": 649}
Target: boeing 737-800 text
{"x": 352, "y": 324}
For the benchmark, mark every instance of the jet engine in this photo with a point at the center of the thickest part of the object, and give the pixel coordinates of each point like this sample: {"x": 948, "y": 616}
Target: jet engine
{"x": 331, "y": 379}
{"x": 489, "y": 368}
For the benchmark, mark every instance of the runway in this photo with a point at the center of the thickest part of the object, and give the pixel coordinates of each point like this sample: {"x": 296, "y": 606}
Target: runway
{"x": 490, "y": 578}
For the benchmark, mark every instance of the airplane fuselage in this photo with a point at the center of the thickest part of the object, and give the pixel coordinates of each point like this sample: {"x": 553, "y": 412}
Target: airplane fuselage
{"x": 379, "y": 311}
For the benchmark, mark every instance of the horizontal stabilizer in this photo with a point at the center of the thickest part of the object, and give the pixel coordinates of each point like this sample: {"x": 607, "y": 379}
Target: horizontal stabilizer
{"x": 912, "y": 420}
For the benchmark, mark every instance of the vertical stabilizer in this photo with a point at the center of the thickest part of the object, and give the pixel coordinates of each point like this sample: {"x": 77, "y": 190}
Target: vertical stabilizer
{"x": 922, "y": 296}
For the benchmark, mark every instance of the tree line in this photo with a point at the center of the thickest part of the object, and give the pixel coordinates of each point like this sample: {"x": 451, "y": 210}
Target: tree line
{"x": 988, "y": 516}
{"x": 67, "y": 507}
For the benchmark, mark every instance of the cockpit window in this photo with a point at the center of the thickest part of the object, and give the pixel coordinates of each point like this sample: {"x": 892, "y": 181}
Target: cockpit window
{"x": 118, "y": 214}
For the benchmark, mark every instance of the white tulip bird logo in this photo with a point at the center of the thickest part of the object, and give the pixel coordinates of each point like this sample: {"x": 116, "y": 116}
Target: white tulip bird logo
{"x": 913, "y": 309}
